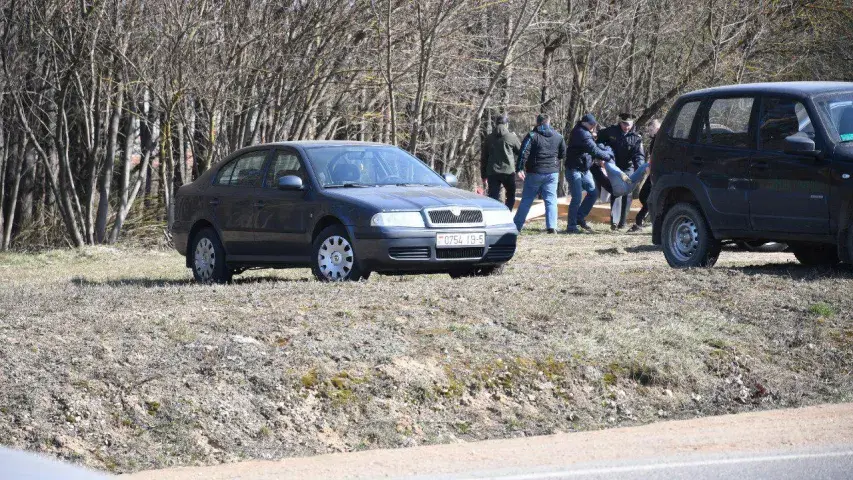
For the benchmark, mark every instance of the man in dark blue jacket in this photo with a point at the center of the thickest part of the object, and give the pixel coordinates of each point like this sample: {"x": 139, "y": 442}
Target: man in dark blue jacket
{"x": 539, "y": 166}
{"x": 582, "y": 151}
{"x": 627, "y": 144}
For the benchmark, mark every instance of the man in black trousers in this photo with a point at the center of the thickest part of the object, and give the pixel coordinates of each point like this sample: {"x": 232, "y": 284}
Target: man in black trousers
{"x": 497, "y": 166}
{"x": 627, "y": 145}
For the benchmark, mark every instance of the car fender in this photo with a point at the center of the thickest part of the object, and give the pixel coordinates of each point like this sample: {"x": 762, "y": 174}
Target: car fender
{"x": 661, "y": 190}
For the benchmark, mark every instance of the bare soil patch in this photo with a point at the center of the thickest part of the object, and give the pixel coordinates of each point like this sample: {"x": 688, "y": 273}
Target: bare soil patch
{"x": 114, "y": 359}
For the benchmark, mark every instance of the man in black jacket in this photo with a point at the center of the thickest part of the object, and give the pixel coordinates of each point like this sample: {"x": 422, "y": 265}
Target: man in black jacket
{"x": 539, "y": 166}
{"x": 627, "y": 145}
{"x": 581, "y": 152}
{"x": 651, "y": 132}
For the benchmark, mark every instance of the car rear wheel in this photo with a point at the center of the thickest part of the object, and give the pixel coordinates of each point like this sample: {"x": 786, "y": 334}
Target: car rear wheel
{"x": 477, "y": 271}
{"x": 334, "y": 257}
{"x": 817, "y": 255}
{"x": 208, "y": 258}
{"x": 687, "y": 239}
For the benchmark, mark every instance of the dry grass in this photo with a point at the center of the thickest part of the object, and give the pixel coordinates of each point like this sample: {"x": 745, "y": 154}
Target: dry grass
{"x": 114, "y": 359}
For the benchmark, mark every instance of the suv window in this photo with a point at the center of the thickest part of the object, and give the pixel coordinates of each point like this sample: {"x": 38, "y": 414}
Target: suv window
{"x": 284, "y": 164}
{"x": 244, "y": 171}
{"x": 681, "y": 128}
{"x": 781, "y": 118}
{"x": 726, "y": 123}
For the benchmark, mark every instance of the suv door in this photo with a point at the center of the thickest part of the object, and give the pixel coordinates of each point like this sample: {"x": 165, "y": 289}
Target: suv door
{"x": 231, "y": 198}
{"x": 281, "y": 217}
{"x": 790, "y": 193}
{"x": 725, "y": 143}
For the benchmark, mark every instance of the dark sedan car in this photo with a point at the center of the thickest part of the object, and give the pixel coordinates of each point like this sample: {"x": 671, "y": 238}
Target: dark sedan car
{"x": 344, "y": 209}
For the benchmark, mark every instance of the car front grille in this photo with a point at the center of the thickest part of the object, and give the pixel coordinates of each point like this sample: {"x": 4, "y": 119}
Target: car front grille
{"x": 409, "y": 253}
{"x": 467, "y": 216}
{"x": 500, "y": 252}
{"x": 459, "y": 253}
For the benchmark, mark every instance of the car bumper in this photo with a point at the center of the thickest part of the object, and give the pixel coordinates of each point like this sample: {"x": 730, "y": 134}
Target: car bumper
{"x": 414, "y": 250}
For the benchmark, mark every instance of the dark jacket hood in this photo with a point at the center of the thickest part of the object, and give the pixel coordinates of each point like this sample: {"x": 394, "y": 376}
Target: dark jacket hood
{"x": 501, "y": 130}
{"x": 545, "y": 130}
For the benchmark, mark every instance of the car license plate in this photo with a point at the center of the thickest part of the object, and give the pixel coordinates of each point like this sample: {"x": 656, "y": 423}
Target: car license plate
{"x": 450, "y": 240}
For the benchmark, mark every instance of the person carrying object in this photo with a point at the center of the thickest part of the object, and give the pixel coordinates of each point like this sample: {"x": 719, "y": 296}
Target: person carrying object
{"x": 581, "y": 155}
{"x": 539, "y": 167}
{"x": 497, "y": 167}
{"x": 627, "y": 146}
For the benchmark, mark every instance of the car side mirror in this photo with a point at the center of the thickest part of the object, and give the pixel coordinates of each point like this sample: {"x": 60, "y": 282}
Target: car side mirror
{"x": 800, "y": 145}
{"x": 290, "y": 183}
{"x": 451, "y": 179}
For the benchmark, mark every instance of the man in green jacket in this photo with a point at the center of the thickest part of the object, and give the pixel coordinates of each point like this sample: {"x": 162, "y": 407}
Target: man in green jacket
{"x": 498, "y": 161}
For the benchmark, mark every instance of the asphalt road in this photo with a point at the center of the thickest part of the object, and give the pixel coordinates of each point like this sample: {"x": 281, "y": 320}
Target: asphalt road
{"x": 830, "y": 463}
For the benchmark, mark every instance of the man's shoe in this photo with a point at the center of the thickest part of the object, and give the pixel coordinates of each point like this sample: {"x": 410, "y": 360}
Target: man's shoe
{"x": 620, "y": 227}
{"x": 584, "y": 225}
{"x": 635, "y": 228}
{"x": 572, "y": 232}
{"x": 550, "y": 230}
{"x": 613, "y": 227}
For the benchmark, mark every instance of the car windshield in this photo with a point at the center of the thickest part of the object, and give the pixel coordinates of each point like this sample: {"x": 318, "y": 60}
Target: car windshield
{"x": 369, "y": 166}
{"x": 838, "y": 110}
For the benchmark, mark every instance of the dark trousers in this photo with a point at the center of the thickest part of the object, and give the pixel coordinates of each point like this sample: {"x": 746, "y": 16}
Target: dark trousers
{"x": 644, "y": 198}
{"x": 508, "y": 182}
{"x": 601, "y": 180}
{"x": 620, "y": 207}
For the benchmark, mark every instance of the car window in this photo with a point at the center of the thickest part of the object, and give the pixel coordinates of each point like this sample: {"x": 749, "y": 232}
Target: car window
{"x": 684, "y": 121}
{"x": 781, "y": 118}
{"x": 726, "y": 123}
{"x": 245, "y": 171}
{"x": 284, "y": 164}
{"x": 369, "y": 165}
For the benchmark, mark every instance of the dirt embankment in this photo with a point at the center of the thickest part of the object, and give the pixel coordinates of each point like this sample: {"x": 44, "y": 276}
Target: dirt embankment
{"x": 113, "y": 359}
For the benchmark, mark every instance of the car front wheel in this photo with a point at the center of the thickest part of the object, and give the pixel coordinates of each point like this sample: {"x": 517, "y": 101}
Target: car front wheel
{"x": 687, "y": 239}
{"x": 334, "y": 259}
{"x": 208, "y": 258}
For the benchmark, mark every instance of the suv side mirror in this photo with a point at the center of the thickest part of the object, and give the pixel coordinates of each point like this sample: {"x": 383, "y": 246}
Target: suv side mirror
{"x": 799, "y": 145}
{"x": 290, "y": 183}
{"x": 451, "y": 179}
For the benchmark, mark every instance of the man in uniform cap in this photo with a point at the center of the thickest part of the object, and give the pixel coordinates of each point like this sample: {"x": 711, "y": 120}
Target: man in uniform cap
{"x": 627, "y": 146}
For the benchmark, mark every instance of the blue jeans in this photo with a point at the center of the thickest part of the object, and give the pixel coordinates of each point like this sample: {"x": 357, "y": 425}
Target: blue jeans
{"x": 534, "y": 184}
{"x": 580, "y": 182}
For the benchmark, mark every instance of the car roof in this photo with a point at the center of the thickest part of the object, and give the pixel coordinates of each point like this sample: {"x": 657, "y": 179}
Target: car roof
{"x": 800, "y": 89}
{"x": 323, "y": 143}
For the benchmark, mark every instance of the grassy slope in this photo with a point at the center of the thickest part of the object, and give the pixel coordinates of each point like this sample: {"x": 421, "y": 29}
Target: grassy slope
{"x": 112, "y": 358}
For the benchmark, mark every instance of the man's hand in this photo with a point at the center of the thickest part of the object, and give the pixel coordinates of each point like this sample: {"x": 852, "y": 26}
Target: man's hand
{"x": 520, "y": 175}
{"x": 485, "y": 182}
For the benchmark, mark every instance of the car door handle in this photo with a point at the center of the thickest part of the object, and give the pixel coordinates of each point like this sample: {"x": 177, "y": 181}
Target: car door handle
{"x": 259, "y": 204}
{"x": 698, "y": 161}
{"x": 761, "y": 165}
{"x": 214, "y": 202}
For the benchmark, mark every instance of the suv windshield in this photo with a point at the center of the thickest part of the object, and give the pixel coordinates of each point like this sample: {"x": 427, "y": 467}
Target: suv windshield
{"x": 354, "y": 166}
{"x": 838, "y": 110}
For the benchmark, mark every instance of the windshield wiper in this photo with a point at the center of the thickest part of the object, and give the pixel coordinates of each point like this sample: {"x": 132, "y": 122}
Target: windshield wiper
{"x": 413, "y": 185}
{"x": 347, "y": 185}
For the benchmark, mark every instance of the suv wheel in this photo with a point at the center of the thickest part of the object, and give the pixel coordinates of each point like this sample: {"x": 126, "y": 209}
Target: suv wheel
{"x": 477, "y": 271}
{"x": 334, "y": 257}
{"x": 208, "y": 258}
{"x": 687, "y": 239}
{"x": 817, "y": 255}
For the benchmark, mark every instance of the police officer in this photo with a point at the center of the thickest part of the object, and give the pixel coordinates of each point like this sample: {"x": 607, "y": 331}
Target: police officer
{"x": 651, "y": 133}
{"x": 627, "y": 146}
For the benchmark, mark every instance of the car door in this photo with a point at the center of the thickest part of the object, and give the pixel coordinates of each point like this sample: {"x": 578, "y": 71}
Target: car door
{"x": 231, "y": 198}
{"x": 724, "y": 145}
{"x": 282, "y": 217}
{"x": 790, "y": 192}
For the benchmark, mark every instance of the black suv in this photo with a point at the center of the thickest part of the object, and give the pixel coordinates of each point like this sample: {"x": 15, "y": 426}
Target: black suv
{"x": 758, "y": 162}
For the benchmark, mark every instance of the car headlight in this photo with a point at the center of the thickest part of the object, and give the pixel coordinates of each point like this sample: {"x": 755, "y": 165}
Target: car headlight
{"x": 497, "y": 217}
{"x": 398, "y": 219}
